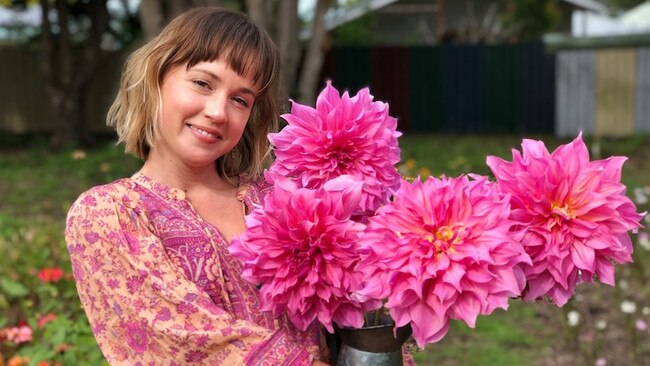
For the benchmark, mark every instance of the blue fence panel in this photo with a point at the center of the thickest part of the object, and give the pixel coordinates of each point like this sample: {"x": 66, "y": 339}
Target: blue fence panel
{"x": 462, "y": 70}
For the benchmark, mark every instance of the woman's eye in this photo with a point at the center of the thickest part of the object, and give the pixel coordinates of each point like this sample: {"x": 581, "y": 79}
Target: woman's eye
{"x": 201, "y": 83}
{"x": 241, "y": 101}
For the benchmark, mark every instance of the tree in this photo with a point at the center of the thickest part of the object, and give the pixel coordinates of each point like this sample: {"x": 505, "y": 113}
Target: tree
{"x": 314, "y": 56}
{"x": 155, "y": 14}
{"x": 619, "y": 5}
{"x": 282, "y": 22}
{"x": 72, "y": 36}
{"x": 288, "y": 42}
{"x": 279, "y": 17}
{"x": 69, "y": 61}
{"x": 531, "y": 18}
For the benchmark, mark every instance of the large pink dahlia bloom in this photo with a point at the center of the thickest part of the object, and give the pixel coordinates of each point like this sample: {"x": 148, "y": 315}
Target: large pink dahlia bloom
{"x": 343, "y": 135}
{"x": 574, "y": 214}
{"x": 301, "y": 245}
{"x": 442, "y": 250}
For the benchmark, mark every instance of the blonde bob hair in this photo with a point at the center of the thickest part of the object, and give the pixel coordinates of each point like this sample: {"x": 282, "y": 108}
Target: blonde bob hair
{"x": 198, "y": 35}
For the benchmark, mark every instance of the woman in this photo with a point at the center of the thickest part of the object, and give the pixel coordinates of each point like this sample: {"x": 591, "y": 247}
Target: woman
{"x": 149, "y": 253}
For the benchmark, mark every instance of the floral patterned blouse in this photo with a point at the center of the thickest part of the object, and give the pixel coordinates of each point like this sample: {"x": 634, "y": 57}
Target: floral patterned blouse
{"x": 160, "y": 288}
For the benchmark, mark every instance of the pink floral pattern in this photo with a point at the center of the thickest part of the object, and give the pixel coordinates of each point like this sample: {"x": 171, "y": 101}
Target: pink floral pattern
{"x": 159, "y": 286}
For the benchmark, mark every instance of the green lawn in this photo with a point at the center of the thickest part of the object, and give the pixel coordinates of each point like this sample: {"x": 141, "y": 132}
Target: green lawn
{"x": 37, "y": 187}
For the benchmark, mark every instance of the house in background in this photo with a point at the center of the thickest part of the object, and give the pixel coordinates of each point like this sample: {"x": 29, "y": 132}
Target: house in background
{"x": 633, "y": 21}
{"x": 427, "y": 22}
{"x": 490, "y": 87}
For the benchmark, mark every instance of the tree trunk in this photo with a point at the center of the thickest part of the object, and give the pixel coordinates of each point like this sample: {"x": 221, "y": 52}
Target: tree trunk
{"x": 257, "y": 13}
{"x": 152, "y": 18}
{"x": 207, "y": 2}
{"x": 440, "y": 20}
{"x": 175, "y": 8}
{"x": 314, "y": 58}
{"x": 68, "y": 72}
{"x": 289, "y": 44}
{"x": 155, "y": 14}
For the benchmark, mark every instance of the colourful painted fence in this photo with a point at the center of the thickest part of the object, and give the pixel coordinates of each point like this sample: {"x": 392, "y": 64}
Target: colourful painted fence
{"x": 604, "y": 92}
{"x": 520, "y": 89}
{"x": 458, "y": 89}
{"x": 504, "y": 89}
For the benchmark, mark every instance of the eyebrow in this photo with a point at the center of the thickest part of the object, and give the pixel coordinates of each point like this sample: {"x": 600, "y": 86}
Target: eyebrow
{"x": 216, "y": 77}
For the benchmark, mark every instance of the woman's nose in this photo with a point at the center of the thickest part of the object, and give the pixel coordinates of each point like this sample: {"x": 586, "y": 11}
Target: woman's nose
{"x": 215, "y": 108}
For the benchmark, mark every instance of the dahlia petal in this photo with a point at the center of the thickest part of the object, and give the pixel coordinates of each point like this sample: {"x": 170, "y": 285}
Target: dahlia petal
{"x": 347, "y": 316}
{"x": 453, "y": 275}
{"x": 561, "y": 296}
{"x": 350, "y": 190}
{"x": 538, "y": 286}
{"x": 428, "y": 327}
{"x": 583, "y": 256}
{"x": 605, "y": 272}
{"x": 510, "y": 281}
{"x": 534, "y": 149}
{"x": 467, "y": 308}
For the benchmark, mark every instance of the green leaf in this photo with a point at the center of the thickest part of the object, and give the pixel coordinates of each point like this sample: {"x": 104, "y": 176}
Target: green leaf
{"x": 37, "y": 353}
{"x": 13, "y": 288}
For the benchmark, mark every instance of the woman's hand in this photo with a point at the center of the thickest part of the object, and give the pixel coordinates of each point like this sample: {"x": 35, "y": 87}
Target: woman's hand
{"x": 319, "y": 363}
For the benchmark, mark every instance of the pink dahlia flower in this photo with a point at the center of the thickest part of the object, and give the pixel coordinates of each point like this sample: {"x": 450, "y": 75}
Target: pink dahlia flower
{"x": 301, "y": 245}
{"x": 574, "y": 214}
{"x": 442, "y": 250}
{"x": 343, "y": 135}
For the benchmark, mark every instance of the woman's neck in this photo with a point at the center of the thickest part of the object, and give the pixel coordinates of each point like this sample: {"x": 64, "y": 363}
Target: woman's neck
{"x": 183, "y": 177}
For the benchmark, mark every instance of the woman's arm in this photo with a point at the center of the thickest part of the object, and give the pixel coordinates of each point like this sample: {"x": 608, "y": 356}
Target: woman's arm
{"x": 142, "y": 309}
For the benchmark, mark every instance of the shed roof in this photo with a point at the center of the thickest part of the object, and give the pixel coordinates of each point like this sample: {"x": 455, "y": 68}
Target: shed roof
{"x": 345, "y": 15}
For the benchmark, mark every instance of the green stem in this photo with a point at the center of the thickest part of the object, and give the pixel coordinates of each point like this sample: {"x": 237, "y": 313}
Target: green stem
{"x": 380, "y": 311}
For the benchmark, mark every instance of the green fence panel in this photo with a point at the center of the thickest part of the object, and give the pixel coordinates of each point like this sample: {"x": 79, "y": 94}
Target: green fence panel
{"x": 390, "y": 82}
{"x": 463, "y": 77}
{"x": 500, "y": 92}
{"x": 353, "y": 69}
{"x": 425, "y": 89}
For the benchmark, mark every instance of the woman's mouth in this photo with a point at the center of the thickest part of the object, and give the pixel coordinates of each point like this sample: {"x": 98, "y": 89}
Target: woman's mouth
{"x": 205, "y": 133}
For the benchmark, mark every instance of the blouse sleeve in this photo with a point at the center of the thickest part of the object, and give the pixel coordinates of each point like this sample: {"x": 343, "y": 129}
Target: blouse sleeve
{"x": 142, "y": 311}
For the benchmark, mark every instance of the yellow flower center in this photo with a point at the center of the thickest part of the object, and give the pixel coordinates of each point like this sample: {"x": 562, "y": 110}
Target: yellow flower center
{"x": 559, "y": 214}
{"x": 443, "y": 238}
{"x": 563, "y": 210}
{"x": 444, "y": 233}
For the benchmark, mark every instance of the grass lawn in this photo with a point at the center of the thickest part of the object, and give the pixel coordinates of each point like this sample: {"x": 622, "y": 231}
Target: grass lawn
{"x": 37, "y": 187}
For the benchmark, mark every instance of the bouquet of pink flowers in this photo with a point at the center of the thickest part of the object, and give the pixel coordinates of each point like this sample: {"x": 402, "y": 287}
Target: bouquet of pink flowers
{"x": 341, "y": 233}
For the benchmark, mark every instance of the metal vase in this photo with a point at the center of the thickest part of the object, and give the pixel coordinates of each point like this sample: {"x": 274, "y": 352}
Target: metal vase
{"x": 373, "y": 345}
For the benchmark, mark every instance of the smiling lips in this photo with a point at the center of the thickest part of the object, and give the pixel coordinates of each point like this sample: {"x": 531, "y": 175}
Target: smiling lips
{"x": 208, "y": 135}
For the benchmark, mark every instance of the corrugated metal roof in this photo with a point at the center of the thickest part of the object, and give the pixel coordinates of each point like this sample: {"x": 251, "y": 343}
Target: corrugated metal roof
{"x": 592, "y": 5}
{"x": 345, "y": 15}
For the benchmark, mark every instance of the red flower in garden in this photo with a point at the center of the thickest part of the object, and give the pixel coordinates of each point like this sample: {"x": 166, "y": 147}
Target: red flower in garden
{"x": 45, "y": 319}
{"x": 17, "y": 335}
{"x": 49, "y": 363}
{"x": 18, "y": 361}
{"x": 50, "y": 274}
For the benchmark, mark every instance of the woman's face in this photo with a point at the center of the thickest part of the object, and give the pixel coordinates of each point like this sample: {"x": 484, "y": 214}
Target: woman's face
{"x": 204, "y": 111}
